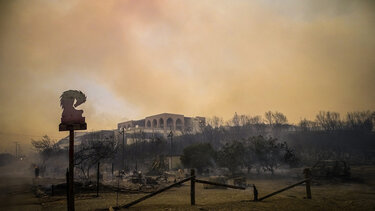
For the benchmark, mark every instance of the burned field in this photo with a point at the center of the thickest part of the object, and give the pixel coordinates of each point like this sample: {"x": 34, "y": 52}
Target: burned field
{"x": 354, "y": 193}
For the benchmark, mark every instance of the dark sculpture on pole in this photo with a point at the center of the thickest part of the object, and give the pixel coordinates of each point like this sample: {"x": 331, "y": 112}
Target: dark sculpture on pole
{"x": 71, "y": 116}
{"x": 71, "y": 119}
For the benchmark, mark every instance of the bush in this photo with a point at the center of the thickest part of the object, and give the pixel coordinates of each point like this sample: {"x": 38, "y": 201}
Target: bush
{"x": 198, "y": 156}
{"x": 231, "y": 156}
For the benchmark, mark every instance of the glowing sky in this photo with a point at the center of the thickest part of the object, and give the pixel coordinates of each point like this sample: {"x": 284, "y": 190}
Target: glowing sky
{"x": 196, "y": 57}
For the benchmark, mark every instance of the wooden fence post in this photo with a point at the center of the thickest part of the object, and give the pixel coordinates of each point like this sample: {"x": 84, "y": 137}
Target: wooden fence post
{"x": 192, "y": 187}
{"x": 255, "y": 193}
{"x": 307, "y": 173}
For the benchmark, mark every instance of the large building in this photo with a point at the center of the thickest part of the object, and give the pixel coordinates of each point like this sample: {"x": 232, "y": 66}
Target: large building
{"x": 161, "y": 125}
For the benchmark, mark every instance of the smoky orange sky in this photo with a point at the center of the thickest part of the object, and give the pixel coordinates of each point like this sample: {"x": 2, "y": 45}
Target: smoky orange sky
{"x": 196, "y": 57}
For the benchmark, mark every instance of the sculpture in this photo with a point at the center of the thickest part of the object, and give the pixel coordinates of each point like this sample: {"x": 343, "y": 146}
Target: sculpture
{"x": 70, "y": 115}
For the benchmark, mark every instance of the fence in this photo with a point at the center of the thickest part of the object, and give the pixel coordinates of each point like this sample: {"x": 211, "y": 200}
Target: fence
{"x": 193, "y": 180}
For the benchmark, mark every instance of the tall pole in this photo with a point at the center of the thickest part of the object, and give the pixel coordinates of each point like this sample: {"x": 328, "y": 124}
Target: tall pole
{"x": 16, "y": 149}
{"x": 71, "y": 171}
{"x": 136, "y": 151}
{"x": 170, "y": 135}
{"x": 67, "y": 186}
{"x": 123, "y": 148}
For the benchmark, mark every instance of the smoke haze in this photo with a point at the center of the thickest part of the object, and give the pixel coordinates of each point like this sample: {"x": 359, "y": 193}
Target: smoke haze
{"x": 138, "y": 58}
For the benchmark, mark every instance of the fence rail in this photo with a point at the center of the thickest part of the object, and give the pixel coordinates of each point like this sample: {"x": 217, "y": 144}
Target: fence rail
{"x": 307, "y": 181}
{"x": 193, "y": 180}
{"x": 153, "y": 194}
{"x": 282, "y": 190}
{"x": 219, "y": 184}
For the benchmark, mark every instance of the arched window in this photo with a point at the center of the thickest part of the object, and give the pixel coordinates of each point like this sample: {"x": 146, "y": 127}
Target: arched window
{"x": 154, "y": 123}
{"x": 179, "y": 124}
{"x": 170, "y": 125}
{"x": 148, "y": 123}
{"x": 161, "y": 123}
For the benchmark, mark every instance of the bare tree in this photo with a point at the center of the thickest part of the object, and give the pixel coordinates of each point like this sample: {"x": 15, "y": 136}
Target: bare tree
{"x": 215, "y": 121}
{"x": 92, "y": 151}
{"x": 236, "y": 120}
{"x": 46, "y": 148}
{"x": 255, "y": 120}
{"x": 268, "y": 117}
{"x": 328, "y": 120}
{"x": 279, "y": 118}
{"x": 275, "y": 118}
{"x": 307, "y": 125}
{"x": 244, "y": 120}
{"x": 362, "y": 120}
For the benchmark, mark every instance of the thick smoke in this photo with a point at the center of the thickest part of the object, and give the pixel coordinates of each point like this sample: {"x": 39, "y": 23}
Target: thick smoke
{"x": 192, "y": 57}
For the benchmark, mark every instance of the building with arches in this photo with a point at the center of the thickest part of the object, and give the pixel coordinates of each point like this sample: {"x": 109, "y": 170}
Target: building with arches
{"x": 164, "y": 123}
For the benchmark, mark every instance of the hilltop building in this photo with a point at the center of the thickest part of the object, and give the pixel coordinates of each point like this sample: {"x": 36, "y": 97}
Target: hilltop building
{"x": 160, "y": 125}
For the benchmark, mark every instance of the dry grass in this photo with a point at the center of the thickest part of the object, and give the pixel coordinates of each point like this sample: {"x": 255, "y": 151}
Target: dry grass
{"x": 327, "y": 196}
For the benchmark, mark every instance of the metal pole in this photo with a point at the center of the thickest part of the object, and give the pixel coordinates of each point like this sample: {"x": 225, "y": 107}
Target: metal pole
{"x": 170, "y": 135}
{"x": 136, "y": 150}
{"x": 123, "y": 148}
{"x": 16, "y": 148}
{"x": 171, "y": 150}
{"x": 71, "y": 171}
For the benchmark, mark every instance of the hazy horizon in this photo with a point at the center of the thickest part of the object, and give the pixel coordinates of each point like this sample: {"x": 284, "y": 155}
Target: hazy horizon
{"x": 198, "y": 58}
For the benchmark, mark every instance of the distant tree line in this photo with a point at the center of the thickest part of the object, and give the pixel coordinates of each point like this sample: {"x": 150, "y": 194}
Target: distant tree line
{"x": 324, "y": 120}
{"x": 329, "y": 136}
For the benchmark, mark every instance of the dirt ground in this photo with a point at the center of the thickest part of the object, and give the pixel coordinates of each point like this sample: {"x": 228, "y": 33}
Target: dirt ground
{"x": 358, "y": 194}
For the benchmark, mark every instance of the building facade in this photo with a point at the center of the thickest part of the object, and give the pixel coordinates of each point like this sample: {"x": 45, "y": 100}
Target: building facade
{"x": 160, "y": 125}
{"x": 165, "y": 121}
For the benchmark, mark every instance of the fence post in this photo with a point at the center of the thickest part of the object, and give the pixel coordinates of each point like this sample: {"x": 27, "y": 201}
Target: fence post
{"x": 192, "y": 187}
{"x": 255, "y": 193}
{"x": 97, "y": 180}
{"x": 307, "y": 174}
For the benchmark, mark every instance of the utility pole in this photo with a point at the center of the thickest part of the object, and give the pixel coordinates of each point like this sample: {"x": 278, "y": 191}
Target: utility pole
{"x": 16, "y": 149}
{"x": 135, "y": 150}
{"x": 122, "y": 131}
